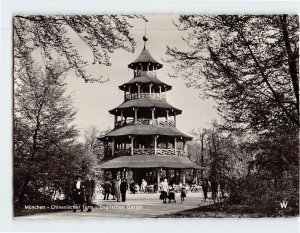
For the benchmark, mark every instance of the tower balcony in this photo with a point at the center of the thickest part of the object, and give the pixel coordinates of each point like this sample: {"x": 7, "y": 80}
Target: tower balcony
{"x": 150, "y": 151}
{"x": 155, "y": 96}
{"x": 150, "y": 73}
{"x": 143, "y": 121}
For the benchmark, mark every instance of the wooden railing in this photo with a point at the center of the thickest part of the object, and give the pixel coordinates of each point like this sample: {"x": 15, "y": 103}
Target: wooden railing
{"x": 169, "y": 152}
{"x": 151, "y": 73}
{"x": 155, "y": 96}
{"x": 150, "y": 151}
{"x": 123, "y": 152}
{"x": 144, "y": 121}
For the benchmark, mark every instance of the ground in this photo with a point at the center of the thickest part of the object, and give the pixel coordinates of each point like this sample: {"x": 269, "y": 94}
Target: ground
{"x": 136, "y": 205}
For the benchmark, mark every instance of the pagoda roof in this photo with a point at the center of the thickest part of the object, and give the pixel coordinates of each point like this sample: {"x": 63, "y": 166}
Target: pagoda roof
{"x": 145, "y": 130}
{"x": 145, "y": 79}
{"x": 139, "y": 161}
{"x": 145, "y": 57}
{"x": 146, "y": 103}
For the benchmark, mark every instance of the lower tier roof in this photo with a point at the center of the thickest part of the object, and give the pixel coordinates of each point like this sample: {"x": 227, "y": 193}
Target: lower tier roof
{"x": 145, "y": 161}
{"x": 145, "y": 130}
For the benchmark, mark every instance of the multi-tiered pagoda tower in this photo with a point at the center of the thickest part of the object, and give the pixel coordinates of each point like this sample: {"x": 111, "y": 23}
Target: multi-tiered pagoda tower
{"x": 145, "y": 141}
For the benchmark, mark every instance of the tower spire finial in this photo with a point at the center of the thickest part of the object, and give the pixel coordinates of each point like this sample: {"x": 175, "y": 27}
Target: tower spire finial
{"x": 145, "y": 37}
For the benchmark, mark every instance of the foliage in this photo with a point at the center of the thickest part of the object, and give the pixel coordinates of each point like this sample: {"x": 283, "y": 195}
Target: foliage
{"x": 222, "y": 155}
{"x": 46, "y": 153}
{"x": 92, "y": 142}
{"x": 56, "y": 36}
{"x": 247, "y": 63}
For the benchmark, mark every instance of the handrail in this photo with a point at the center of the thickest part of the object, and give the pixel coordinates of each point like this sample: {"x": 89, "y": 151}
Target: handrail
{"x": 156, "y": 96}
{"x": 144, "y": 121}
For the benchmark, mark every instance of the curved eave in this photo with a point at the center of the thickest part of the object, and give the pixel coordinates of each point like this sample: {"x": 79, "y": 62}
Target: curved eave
{"x": 145, "y": 130}
{"x": 139, "y": 161}
{"x": 143, "y": 80}
{"x": 145, "y": 57}
{"x": 145, "y": 103}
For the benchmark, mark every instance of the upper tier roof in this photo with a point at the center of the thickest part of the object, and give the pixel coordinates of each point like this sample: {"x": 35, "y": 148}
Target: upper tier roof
{"x": 145, "y": 57}
{"x": 146, "y": 103}
{"x": 145, "y": 130}
{"x": 145, "y": 79}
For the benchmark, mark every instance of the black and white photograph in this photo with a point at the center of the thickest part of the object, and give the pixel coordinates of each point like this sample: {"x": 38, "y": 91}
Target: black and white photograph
{"x": 155, "y": 116}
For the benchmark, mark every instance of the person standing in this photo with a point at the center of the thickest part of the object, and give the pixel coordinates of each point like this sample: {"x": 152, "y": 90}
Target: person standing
{"x": 78, "y": 193}
{"x": 89, "y": 185}
{"x": 113, "y": 189}
{"x": 182, "y": 194}
{"x": 164, "y": 188}
{"x": 117, "y": 189}
{"x": 214, "y": 189}
{"x": 123, "y": 189}
{"x": 205, "y": 185}
{"x": 144, "y": 186}
{"x": 107, "y": 189}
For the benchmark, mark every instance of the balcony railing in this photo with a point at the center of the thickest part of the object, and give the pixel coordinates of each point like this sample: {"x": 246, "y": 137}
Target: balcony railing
{"x": 155, "y": 96}
{"x": 150, "y": 151}
{"x": 144, "y": 121}
{"x": 122, "y": 152}
{"x": 139, "y": 73}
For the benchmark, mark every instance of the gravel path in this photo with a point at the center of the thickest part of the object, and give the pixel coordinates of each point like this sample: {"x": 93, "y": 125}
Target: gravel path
{"x": 136, "y": 206}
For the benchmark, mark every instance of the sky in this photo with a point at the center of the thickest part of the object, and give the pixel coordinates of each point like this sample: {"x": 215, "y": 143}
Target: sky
{"x": 94, "y": 100}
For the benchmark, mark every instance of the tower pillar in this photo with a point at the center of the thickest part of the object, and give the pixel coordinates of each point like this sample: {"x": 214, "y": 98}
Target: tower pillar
{"x": 116, "y": 120}
{"x": 158, "y": 176}
{"x": 139, "y": 91}
{"x": 160, "y": 92}
{"x": 167, "y": 116}
{"x": 152, "y": 110}
{"x": 150, "y": 89}
{"x": 175, "y": 145}
{"x": 174, "y": 119}
{"x": 155, "y": 144}
{"x": 135, "y": 115}
{"x": 113, "y": 147}
{"x": 183, "y": 176}
{"x": 131, "y": 137}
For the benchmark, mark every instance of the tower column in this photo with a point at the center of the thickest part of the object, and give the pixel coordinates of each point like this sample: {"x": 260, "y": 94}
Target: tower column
{"x": 139, "y": 90}
{"x": 175, "y": 145}
{"x": 183, "y": 176}
{"x": 152, "y": 110}
{"x": 155, "y": 144}
{"x": 124, "y": 93}
{"x": 150, "y": 90}
{"x": 158, "y": 176}
{"x": 160, "y": 92}
{"x": 113, "y": 147}
{"x": 174, "y": 119}
{"x": 135, "y": 115}
{"x": 184, "y": 146}
{"x": 115, "y": 120}
{"x": 167, "y": 116}
{"x": 122, "y": 116}
{"x": 131, "y": 144}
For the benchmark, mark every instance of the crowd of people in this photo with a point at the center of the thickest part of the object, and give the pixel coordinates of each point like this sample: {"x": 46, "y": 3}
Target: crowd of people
{"x": 85, "y": 190}
{"x": 116, "y": 188}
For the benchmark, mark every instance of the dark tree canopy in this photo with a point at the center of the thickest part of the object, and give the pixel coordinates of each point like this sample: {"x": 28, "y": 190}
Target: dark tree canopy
{"x": 248, "y": 63}
{"x": 51, "y": 34}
